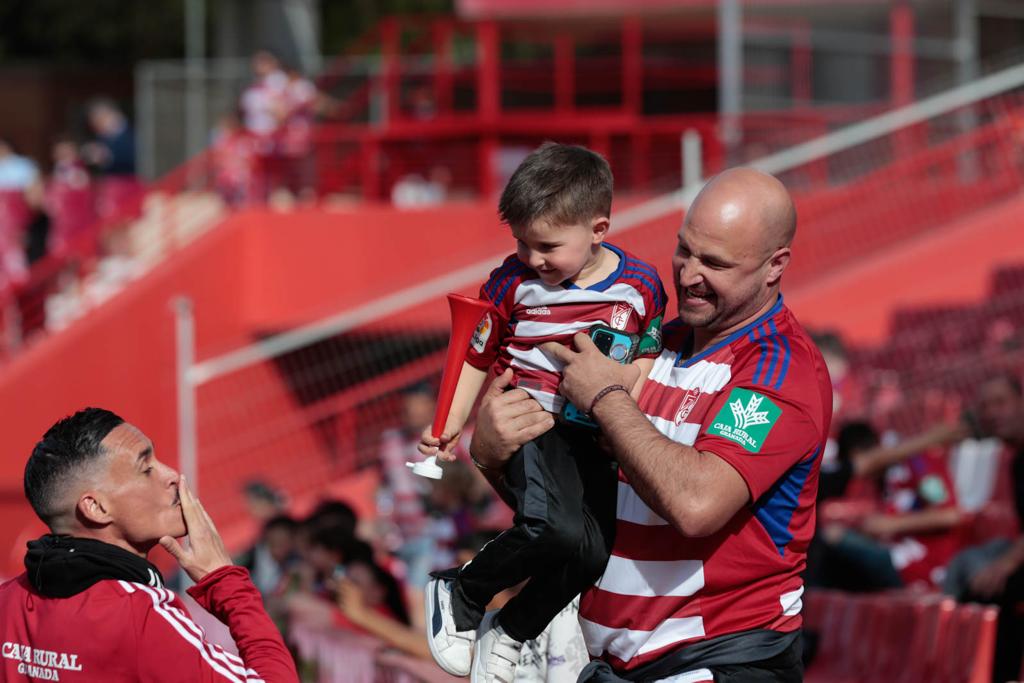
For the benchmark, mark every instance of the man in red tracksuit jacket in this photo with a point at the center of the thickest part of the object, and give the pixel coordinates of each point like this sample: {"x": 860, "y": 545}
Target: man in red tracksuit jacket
{"x": 90, "y": 607}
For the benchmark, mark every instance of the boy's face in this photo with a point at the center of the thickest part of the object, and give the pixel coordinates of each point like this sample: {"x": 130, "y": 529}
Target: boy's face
{"x": 558, "y": 252}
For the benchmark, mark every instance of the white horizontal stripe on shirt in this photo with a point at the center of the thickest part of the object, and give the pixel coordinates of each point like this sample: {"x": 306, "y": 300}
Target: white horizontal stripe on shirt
{"x": 706, "y": 376}
{"x": 791, "y": 602}
{"x": 626, "y": 643}
{"x": 695, "y": 676}
{"x": 534, "y": 359}
{"x": 652, "y": 578}
{"x": 539, "y": 328}
{"x": 630, "y": 508}
{"x": 550, "y": 402}
{"x": 533, "y": 293}
{"x": 684, "y": 432}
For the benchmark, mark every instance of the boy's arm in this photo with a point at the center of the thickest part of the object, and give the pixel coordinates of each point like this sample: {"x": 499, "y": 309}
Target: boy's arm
{"x": 471, "y": 380}
{"x": 645, "y": 365}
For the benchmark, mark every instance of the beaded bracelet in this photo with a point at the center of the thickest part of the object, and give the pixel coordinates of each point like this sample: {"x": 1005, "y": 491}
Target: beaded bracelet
{"x": 604, "y": 392}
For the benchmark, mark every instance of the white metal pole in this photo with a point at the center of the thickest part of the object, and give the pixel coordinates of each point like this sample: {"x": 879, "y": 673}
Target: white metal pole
{"x": 693, "y": 165}
{"x": 185, "y": 339}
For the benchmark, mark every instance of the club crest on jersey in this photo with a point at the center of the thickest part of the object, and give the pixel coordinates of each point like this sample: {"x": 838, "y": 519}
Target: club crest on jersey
{"x": 687, "y": 404}
{"x": 620, "y": 315}
{"x": 482, "y": 334}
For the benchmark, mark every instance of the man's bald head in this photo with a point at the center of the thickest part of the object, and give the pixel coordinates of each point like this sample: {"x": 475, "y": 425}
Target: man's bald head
{"x": 755, "y": 198}
{"x": 733, "y": 248}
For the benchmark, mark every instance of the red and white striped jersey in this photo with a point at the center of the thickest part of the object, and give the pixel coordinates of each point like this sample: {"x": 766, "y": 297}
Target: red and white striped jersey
{"x": 528, "y": 313}
{"x": 761, "y": 400}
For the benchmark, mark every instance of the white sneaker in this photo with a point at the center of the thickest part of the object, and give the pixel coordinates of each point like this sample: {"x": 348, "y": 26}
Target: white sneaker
{"x": 496, "y": 653}
{"x": 451, "y": 649}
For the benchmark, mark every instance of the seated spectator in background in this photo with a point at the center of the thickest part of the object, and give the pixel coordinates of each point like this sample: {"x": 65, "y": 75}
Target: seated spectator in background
{"x": 261, "y": 104}
{"x": 401, "y": 500}
{"x": 16, "y": 172}
{"x": 233, "y": 155}
{"x": 270, "y": 559}
{"x": 263, "y": 501}
{"x": 912, "y": 539}
{"x": 847, "y": 390}
{"x": 414, "y": 191}
{"x": 296, "y": 115}
{"x": 69, "y": 200}
{"x": 112, "y": 155}
{"x": 17, "y": 175}
{"x": 995, "y": 572}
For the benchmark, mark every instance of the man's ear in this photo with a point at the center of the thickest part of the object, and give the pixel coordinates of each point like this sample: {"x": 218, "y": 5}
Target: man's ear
{"x": 777, "y": 264}
{"x": 600, "y": 227}
{"x": 92, "y": 508}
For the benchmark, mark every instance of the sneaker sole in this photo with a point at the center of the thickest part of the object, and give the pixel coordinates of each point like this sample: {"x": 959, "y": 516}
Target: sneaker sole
{"x": 431, "y": 613}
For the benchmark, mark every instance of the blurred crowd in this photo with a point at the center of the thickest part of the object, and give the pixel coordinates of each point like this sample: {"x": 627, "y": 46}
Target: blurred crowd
{"x": 928, "y": 509}
{"x": 67, "y": 206}
{"x": 934, "y": 503}
{"x": 332, "y": 571}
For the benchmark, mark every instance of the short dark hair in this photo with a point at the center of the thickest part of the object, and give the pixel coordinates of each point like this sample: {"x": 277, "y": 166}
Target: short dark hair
{"x": 564, "y": 184}
{"x": 855, "y": 437}
{"x": 64, "y": 450}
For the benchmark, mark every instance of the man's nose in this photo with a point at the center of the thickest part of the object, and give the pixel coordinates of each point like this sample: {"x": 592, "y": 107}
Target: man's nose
{"x": 689, "y": 274}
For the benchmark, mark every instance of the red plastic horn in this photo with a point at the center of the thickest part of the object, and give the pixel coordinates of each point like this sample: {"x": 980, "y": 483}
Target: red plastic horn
{"x": 466, "y": 315}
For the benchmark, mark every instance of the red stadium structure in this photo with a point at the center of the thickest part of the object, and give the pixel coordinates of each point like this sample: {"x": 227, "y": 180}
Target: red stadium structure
{"x": 302, "y": 324}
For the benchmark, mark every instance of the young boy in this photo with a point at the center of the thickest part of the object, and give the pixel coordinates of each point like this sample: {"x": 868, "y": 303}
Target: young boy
{"x": 563, "y": 279}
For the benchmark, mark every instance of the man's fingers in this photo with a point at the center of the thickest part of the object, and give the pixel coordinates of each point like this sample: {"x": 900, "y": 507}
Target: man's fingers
{"x": 530, "y": 422}
{"x": 557, "y": 351}
{"x": 583, "y": 342}
{"x": 500, "y": 383}
{"x": 173, "y": 548}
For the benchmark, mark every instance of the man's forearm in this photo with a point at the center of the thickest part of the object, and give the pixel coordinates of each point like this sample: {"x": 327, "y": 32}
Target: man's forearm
{"x": 677, "y": 482}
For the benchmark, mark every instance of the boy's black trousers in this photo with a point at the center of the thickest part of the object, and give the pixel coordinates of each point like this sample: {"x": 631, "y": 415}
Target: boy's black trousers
{"x": 565, "y": 491}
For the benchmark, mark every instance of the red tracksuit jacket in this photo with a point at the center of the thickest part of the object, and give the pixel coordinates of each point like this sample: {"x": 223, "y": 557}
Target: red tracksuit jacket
{"x": 118, "y": 631}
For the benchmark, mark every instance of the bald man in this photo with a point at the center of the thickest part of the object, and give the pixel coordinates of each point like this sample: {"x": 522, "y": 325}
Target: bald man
{"x": 718, "y": 458}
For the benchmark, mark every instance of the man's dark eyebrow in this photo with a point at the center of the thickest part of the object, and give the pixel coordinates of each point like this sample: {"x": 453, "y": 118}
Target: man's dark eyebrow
{"x": 144, "y": 454}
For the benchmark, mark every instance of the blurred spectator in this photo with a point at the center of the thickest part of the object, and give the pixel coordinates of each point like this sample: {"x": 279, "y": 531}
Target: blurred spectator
{"x": 112, "y": 155}
{"x": 262, "y": 105}
{"x": 263, "y": 501}
{"x": 233, "y": 156}
{"x": 263, "y": 100}
{"x": 414, "y": 191}
{"x": 296, "y": 138}
{"x": 914, "y": 536}
{"x": 270, "y": 559}
{"x": 16, "y": 172}
{"x": 69, "y": 199}
{"x": 995, "y": 572}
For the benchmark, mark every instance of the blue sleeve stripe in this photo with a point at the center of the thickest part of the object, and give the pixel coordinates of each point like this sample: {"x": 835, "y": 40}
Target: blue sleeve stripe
{"x": 651, "y": 285}
{"x": 497, "y": 276}
{"x": 776, "y": 507}
{"x": 504, "y": 290}
{"x": 637, "y": 264}
{"x": 776, "y": 351}
{"x": 756, "y": 335}
{"x": 785, "y": 362}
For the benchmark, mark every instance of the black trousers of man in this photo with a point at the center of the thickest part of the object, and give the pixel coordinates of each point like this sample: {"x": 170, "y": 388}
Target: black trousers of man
{"x": 565, "y": 491}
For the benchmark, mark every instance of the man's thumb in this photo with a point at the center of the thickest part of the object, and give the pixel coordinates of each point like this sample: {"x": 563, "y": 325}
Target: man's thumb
{"x": 172, "y": 547}
{"x": 501, "y": 382}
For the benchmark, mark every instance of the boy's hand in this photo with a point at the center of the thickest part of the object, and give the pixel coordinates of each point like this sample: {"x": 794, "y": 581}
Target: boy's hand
{"x": 443, "y": 447}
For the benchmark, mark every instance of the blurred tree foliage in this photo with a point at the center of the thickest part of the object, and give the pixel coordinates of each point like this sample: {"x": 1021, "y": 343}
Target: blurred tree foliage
{"x": 125, "y": 31}
{"x": 344, "y": 21}
{"x": 97, "y": 31}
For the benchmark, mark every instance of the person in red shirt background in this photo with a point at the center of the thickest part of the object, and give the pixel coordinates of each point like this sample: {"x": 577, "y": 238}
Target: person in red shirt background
{"x": 90, "y": 606}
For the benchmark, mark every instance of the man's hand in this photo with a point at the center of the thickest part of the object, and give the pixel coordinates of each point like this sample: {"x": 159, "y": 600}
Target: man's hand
{"x": 990, "y": 581}
{"x": 506, "y": 420}
{"x": 587, "y": 371}
{"x": 205, "y": 552}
